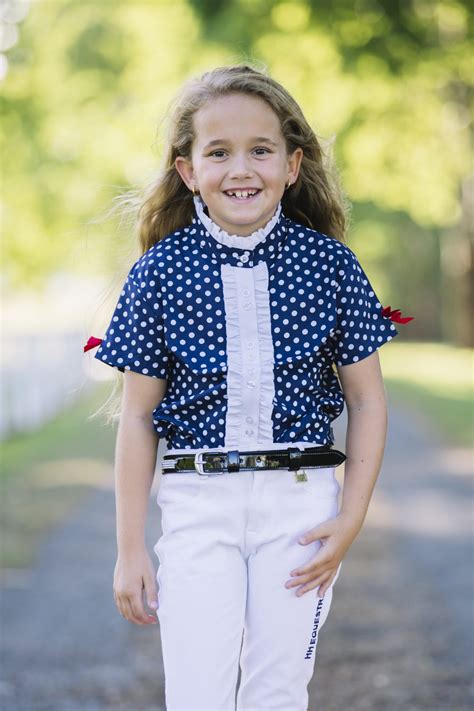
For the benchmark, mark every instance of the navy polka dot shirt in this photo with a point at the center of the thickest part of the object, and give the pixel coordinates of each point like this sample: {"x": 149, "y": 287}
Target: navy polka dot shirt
{"x": 246, "y": 330}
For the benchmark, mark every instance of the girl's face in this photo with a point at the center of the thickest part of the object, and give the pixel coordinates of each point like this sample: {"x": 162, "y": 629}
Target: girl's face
{"x": 239, "y": 162}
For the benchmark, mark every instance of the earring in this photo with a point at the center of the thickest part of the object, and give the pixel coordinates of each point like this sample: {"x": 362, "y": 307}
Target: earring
{"x": 289, "y": 183}
{"x": 195, "y": 192}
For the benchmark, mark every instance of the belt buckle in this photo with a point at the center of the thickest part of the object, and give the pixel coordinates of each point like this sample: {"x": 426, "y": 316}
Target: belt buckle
{"x": 199, "y": 463}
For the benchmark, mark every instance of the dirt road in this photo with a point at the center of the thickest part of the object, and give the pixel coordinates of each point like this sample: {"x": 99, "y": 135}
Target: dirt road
{"x": 399, "y": 634}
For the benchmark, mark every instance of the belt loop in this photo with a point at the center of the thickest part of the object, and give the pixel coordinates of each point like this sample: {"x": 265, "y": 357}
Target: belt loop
{"x": 294, "y": 454}
{"x": 233, "y": 461}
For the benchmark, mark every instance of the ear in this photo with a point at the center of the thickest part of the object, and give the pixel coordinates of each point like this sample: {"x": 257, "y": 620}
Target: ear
{"x": 294, "y": 163}
{"x": 185, "y": 169}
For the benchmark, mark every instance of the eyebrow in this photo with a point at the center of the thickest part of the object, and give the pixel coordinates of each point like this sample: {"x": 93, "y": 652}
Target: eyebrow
{"x": 256, "y": 139}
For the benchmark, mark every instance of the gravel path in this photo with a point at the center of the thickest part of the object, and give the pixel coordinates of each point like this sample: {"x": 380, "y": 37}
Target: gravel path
{"x": 399, "y": 634}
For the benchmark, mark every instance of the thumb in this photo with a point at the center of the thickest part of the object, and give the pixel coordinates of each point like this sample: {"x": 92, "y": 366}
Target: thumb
{"x": 322, "y": 530}
{"x": 151, "y": 592}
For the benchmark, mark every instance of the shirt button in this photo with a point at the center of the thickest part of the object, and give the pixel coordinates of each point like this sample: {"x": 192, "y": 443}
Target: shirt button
{"x": 250, "y": 344}
{"x": 251, "y": 383}
{"x": 244, "y": 258}
{"x": 247, "y": 305}
{"x": 245, "y": 292}
{"x": 249, "y": 419}
{"x": 249, "y": 432}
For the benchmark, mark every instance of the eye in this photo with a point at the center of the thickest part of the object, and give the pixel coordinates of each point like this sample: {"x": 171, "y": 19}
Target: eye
{"x": 215, "y": 153}
{"x": 261, "y": 148}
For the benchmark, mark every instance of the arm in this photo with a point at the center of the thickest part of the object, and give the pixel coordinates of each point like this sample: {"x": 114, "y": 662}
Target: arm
{"x": 364, "y": 393}
{"x": 135, "y": 461}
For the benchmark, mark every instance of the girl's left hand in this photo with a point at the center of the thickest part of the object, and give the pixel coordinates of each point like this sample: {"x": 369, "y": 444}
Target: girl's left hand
{"x": 336, "y": 536}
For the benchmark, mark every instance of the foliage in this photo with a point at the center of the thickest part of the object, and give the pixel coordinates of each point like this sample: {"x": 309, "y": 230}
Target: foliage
{"x": 388, "y": 81}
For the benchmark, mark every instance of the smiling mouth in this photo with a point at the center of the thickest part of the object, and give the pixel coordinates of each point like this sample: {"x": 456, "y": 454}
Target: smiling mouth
{"x": 242, "y": 195}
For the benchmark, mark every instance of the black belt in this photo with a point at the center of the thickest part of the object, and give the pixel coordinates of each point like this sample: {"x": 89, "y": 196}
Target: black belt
{"x": 208, "y": 462}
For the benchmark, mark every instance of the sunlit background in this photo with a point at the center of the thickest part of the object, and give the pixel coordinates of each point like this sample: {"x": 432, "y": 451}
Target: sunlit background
{"x": 85, "y": 87}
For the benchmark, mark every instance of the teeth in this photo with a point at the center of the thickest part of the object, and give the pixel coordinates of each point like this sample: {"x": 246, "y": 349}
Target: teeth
{"x": 242, "y": 193}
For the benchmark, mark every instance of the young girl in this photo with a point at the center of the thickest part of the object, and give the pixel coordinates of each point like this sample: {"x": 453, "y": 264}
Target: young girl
{"x": 241, "y": 331}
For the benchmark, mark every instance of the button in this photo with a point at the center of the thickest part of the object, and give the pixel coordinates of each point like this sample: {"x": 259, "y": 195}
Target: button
{"x": 247, "y": 305}
{"x": 249, "y": 432}
{"x": 251, "y": 383}
{"x": 244, "y": 258}
{"x": 245, "y": 292}
{"x": 250, "y": 344}
{"x": 249, "y": 419}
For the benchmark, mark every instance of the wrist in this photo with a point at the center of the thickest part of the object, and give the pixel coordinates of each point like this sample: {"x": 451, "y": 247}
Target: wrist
{"x": 130, "y": 546}
{"x": 351, "y": 522}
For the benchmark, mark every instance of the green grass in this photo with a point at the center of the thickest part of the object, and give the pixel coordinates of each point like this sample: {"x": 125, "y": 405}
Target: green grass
{"x": 68, "y": 434}
{"x": 437, "y": 381}
{"x": 47, "y": 473}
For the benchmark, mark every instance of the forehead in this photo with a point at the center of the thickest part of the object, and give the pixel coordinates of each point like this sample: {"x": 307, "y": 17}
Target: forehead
{"x": 236, "y": 117}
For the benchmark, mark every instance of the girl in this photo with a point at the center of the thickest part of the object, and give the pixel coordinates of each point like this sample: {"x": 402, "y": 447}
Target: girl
{"x": 240, "y": 331}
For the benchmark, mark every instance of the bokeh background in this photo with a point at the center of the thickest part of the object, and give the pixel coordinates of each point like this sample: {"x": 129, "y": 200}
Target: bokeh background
{"x": 85, "y": 88}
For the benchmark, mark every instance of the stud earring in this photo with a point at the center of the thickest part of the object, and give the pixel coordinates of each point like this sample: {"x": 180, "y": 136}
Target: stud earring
{"x": 195, "y": 192}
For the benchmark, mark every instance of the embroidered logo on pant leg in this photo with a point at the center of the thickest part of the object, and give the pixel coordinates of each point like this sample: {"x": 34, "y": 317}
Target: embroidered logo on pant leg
{"x": 314, "y": 634}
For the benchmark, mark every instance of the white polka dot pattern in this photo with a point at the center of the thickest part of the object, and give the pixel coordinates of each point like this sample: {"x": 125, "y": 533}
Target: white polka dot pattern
{"x": 170, "y": 322}
{"x": 360, "y": 327}
{"x": 134, "y": 339}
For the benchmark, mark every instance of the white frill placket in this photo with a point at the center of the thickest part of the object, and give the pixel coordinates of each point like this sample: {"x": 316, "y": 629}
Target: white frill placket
{"x": 250, "y": 356}
{"x": 250, "y": 386}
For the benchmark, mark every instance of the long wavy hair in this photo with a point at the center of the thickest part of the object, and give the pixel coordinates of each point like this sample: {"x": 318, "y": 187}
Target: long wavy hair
{"x": 165, "y": 205}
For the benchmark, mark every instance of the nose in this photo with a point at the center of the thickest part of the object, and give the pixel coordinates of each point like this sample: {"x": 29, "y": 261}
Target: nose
{"x": 240, "y": 167}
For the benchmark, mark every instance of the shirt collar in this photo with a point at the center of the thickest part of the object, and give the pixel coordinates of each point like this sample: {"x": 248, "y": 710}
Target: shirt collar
{"x": 263, "y": 244}
{"x": 248, "y": 242}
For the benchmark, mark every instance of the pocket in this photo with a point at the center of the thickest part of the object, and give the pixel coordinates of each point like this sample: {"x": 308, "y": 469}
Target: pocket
{"x": 320, "y": 484}
{"x": 179, "y": 489}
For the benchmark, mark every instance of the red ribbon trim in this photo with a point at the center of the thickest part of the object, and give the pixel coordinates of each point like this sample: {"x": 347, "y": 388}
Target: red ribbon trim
{"x": 93, "y": 342}
{"x": 396, "y": 315}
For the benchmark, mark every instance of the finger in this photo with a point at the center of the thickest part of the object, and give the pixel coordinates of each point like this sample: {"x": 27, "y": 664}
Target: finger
{"x": 312, "y": 585}
{"x": 325, "y": 587}
{"x": 151, "y": 592}
{"x": 322, "y": 530}
{"x": 130, "y": 612}
{"x": 119, "y": 604}
{"x": 321, "y": 560}
{"x": 312, "y": 574}
{"x": 139, "y": 614}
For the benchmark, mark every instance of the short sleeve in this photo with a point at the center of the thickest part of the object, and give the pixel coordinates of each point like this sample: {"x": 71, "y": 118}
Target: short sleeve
{"x": 361, "y": 328}
{"x": 134, "y": 339}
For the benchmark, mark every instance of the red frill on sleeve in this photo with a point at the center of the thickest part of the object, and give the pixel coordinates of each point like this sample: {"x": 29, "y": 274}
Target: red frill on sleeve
{"x": 396, "y": 315}
{"x": 93, "y": 342}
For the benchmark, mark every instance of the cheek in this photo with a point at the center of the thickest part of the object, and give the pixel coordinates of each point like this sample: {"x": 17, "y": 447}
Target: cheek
{"x": 210, "y": 175}
{"x": 274, "y": 173}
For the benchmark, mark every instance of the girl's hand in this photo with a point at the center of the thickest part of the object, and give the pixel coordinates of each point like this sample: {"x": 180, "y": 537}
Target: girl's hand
{"x": 336, "y": 536}
{"x": 134, "y": 574}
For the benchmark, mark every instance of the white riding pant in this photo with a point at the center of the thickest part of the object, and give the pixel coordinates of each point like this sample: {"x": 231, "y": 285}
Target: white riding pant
{"x": 228, "y": 545}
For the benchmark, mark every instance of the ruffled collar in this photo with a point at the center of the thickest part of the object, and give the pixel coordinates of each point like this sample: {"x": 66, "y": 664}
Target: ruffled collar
{"x": 240, "y": 241}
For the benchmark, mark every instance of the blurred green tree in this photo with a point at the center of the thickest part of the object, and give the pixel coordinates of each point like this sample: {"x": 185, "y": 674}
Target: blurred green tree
{"x": 390, "y": 79}
{"x": 393, "y": 79}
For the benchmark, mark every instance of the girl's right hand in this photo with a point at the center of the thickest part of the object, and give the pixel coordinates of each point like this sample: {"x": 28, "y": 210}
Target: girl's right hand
{"x": 134, "y": 574}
